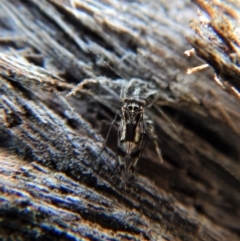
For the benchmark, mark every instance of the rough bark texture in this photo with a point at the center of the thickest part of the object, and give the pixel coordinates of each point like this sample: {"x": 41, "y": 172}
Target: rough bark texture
{"x": 217, "y": 42}
{"x": 53, "y": 183}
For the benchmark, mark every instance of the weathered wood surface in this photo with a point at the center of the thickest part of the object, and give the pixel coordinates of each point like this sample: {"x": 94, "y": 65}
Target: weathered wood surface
{"x": 53, "y": 186}
{"x": 217, "y": 41}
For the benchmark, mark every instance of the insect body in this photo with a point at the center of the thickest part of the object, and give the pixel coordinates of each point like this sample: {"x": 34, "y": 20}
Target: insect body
{"x": 131, "y": 133}
{"x": 133, "y": 127}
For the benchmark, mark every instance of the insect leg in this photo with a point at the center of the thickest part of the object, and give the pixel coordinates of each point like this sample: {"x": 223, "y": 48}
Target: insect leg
{"x": 103, "y": 82}
{"x": 80, "y": 86}
{"x": 109, "y": 130}
{"x": 152, "y": 134}
{"x": 165, "y": 117}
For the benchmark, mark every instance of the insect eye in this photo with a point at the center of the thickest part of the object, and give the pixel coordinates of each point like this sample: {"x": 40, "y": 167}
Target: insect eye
{"x": 129, "y": 107}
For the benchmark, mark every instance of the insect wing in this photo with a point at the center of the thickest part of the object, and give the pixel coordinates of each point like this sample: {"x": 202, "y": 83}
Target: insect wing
{"x": 130, "y": 139}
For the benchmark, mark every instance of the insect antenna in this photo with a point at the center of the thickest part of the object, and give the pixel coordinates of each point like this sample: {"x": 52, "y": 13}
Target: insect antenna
{"x": 234, "y": 176}
{"x": 108, "y": 65}
{"x": 117, "y": 114}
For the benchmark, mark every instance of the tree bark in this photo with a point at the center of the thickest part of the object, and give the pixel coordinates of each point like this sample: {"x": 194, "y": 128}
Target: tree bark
{"x": 54, "y": 184}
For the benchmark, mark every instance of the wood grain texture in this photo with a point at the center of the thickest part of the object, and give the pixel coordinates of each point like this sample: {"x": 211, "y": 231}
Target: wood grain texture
{"x": 217, "y": 41}
{"x": 53, "y": 183}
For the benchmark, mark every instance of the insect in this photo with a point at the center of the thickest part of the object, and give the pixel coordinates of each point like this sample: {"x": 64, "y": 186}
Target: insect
{"x": 136, "y": 96}
{"x": 133, "y": 126}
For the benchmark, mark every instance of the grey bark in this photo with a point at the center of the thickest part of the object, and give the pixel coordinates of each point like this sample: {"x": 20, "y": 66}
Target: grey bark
{"x": 53, "y": 183}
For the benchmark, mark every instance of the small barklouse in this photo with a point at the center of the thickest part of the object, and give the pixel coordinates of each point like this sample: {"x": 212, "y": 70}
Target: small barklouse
{"x": 133, "y": 126}
{"x": 136, "y": 96}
